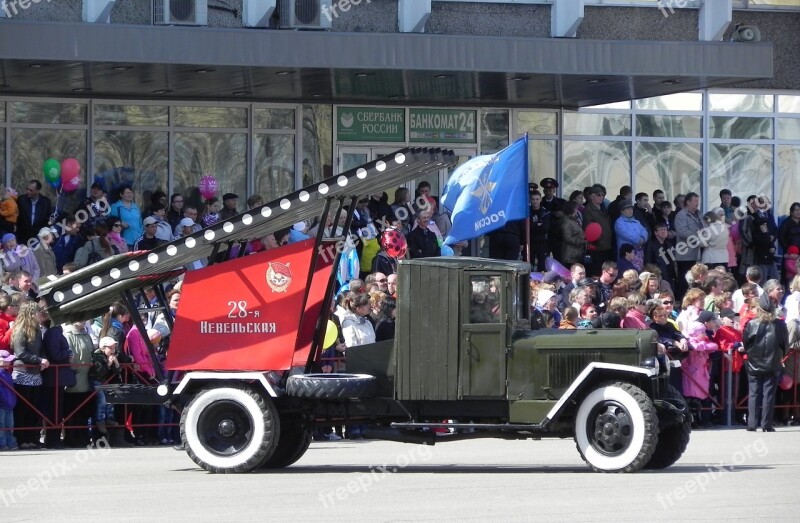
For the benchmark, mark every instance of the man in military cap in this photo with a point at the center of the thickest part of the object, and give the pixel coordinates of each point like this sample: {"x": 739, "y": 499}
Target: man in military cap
{"x": 540, "y": 227}
{"x": 554, "y": 205}
{"x": 229, "y": 201}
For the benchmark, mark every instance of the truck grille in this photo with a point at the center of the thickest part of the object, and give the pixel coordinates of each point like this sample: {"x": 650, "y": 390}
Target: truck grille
{"x": 564, "y": 367}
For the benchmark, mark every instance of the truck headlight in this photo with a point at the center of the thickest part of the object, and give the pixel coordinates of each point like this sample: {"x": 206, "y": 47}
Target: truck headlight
{"x": 652, "y": 363}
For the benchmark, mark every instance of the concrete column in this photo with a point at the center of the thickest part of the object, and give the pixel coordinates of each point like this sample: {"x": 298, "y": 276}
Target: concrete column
{"x": 412, "y": 15}
{"x": 256, "y": 13}
{"x": 565, "y": 18}
{"x": 715, "y": 17}
{"x": 97, "y": 11}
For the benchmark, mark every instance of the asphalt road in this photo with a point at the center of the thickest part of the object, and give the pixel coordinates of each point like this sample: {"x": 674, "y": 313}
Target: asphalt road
{"x": 725, "y": 474}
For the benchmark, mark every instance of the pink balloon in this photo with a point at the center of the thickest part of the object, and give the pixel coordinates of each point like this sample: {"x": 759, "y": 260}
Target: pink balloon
{"x": 70, "y": 174}
{"x": 208, "y": 187}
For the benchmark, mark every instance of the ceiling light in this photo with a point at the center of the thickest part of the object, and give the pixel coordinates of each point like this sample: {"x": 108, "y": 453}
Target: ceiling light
{"x": 240, "y": 93}
{"x": 81, "y": 89}
{"x": 37, "y": 66}
{"x": 440, "y": 76}
{"x": 518, "y": 78}
{"x": 362, "y": 75}
{"x": 595, "y": 80}
{"x": 162, "y": 91}
{"x": 283, "y": 73}
{"x": 121, "y": 68}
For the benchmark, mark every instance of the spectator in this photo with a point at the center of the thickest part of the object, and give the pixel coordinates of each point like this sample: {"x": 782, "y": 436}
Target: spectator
{"x": 130, "y": 216}
{"x": 385, "y": 328}
{"x": 578, "y": 198}
{"x": 728, "y": 210}
{"x": 391, "y": 285}
{"x": 114, "y": 236}
{"x": 679, "y": 201}
{"x": 605, "y": 284}
{"x": 356, "y": 330}
{"x": 505, "y": 243}
{"x": 658, "y": 198}
{"x": 298, "y": 232}
{"x": 588, "y": 314}
{"x": 574, "y": 242}
{"x": 714, "y": 239}
{"x": 97, "y": 248}
{"x": 570, "y": 319}
{"x": 96, "y": 207}
{"x": 45, "y": 257}
{"x": 789, "y": 231}
{"x": 643, "y": 212}
{"x": 16, "y": 257}
{"x": 540, "y": 226}
{"x": 635, "y": 317}
{"x": 693, "y": 303}
{"x": 381, "y": 211}
{"x": 601, "y": 249}
{"x": 764, "y": 248}
{"x": 766, "y": 340}
{"x": 614, "y": 210}
{"x": 662, "y": 213}
{"x": 627, "y": 253}
{"x": 149, "y": 241}
{"x": 577, "y": 275}
{"x": 8, "y": 401}
{"x": 211, "y": 214}
{"x": 254, "y": 201}
{"x": 687, "y": 225}
{"x": 105, "y": 367}
{"x": 229, "y": 201}
{"x": 400, "y": 208}
{"x": 34, "y": 211}
{"x": 68, "y": 241}
{"x": 696, "y": 377}
{"x": 175, "y": 213}
{"x": 76, "y": 398}
{"x": 753, "y": 277}
{"x": 554, "y": 205}
{"x": 163, "y": 228}
{"x": 26, "y": 339}
{"x": 191, "y": 213}
{"x": 55, "y": 378}
{"x": 9, "y": 211}
{"x": 422, "y": 242}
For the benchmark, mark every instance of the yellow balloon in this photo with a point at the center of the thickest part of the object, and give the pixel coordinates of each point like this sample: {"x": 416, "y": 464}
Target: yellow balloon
{"x": 331, "y": 333}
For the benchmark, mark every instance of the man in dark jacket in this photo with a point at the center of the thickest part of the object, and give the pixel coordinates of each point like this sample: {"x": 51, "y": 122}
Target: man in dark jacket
{"x": 34, "y": 212}
{"x": 540, "y": 227}
{"x": 56, "y": 349}
{"x": 422, "y": 242}
{"x": 657, "y": 251}
{"x": 554, "y": 205}
{"x": 505, "y": 242}
{"x": 765, "y": 340}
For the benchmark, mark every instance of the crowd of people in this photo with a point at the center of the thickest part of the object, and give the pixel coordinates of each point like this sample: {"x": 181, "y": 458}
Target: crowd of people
{"x": 708, "y": 285}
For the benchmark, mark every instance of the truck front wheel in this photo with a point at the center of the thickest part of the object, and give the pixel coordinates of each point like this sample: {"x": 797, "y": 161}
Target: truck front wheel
{"x": 616, "y": 428}
{"x": 230, "y": 429}
{"x": 293, "y": 443}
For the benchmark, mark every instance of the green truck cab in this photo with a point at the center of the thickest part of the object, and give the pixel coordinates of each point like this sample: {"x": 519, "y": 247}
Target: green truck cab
{"x": 464, "y": 351}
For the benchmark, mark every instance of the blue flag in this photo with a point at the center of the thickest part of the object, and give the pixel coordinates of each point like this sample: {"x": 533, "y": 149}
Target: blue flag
{"x": 488, "y": 191}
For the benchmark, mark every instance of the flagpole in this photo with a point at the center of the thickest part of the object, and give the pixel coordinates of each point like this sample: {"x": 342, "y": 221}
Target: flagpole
{"x": 528, "y": 219}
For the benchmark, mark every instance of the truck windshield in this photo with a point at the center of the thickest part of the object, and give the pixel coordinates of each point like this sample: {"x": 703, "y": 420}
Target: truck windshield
{"x": 486, "y": 300}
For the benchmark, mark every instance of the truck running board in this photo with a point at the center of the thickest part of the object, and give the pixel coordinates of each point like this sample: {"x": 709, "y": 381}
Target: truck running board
{"x": 536, "y": 427}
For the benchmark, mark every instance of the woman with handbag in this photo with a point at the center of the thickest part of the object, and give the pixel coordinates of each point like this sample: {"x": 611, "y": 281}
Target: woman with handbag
{"x": 55, "y": 378}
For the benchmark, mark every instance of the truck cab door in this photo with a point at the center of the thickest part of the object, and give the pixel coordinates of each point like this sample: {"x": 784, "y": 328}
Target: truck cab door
{"x": 482, "y": 361}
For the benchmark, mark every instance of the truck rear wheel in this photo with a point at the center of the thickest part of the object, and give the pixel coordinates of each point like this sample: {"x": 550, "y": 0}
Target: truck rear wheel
{"x": 616, "y": 428}
{"x": 230, "y": 429}
{"x": 672, "y": 441}
{"x": 293, "y": 443}
{"x": 331, "y": 386}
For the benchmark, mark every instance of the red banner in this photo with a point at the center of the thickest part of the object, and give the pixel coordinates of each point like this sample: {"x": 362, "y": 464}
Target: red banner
{"x": 243, "y": 314}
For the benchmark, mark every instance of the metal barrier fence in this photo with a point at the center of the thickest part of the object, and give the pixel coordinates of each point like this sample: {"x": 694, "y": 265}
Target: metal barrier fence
{"x": 129, "y": 373}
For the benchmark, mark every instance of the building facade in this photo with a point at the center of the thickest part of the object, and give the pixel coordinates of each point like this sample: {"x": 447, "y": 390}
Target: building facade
{"x": 158, "y": 94}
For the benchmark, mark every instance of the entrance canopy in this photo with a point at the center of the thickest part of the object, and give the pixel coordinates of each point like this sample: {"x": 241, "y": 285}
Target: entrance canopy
{"x": 157, "y": 62}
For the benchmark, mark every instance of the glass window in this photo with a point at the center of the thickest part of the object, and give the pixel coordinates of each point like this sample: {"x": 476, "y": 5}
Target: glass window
{"x": 542, "y": 160}
{"x": 317, "y": 143}
{"x": 669, "y": 126}
{"x": 494, "y": 130}
{"x": 135, "y": 158}
{"x": 535, "y": 122}
{"x": 625, "y": 104}
{"x": 745, "y": 169}
{"x": 274, "y": 165}
{"x": 2, "y": 155}
{"x": 590, "y": 162}
{"x": 672, "y": 102}
{"x": 739, "y": 128}
{"x": 787, "y": 190}
{"x": 789, "y": 128}
{"x": 485, "y": 301}
{"x": 2, "y": 112}
{"x": 30, "y": 147}
{"x": 49, "y": 113}
{"x": 789, "y": 104}
{"x": 210, "y": 116}
{"x": 588, "y": 124}
{"x": 153, "y": 115}
{"x": 221, "y": 155}
{"x": 675, "y": 168}
{"x": 752, "y": 103}
{"x": 268, "y": 118}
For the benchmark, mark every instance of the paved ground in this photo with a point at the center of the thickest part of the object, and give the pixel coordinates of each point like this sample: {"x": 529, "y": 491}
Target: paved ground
{"x": 725, "y": 474}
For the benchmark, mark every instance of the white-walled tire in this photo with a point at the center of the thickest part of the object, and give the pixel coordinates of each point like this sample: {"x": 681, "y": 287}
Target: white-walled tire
{"x": 616, "y": 428}
{"x": 230, "y": 429}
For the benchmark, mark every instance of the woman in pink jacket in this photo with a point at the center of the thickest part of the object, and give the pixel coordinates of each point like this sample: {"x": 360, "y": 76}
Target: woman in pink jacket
{"x": 696, "y": 379}
{"x": 143, "y": 414}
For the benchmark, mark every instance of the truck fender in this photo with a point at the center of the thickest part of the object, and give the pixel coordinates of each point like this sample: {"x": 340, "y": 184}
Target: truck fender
{"x": 593, "y": 374}
{"x": 191, "y": 379}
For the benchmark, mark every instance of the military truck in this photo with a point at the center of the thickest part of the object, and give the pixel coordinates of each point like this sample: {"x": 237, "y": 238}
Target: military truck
{"x": 249, "y": 332}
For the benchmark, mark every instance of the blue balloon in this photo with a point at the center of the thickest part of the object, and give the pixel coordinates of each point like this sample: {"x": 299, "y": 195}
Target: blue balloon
{"x": 537, "y": 276}
{"x": 447, "y": 251}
